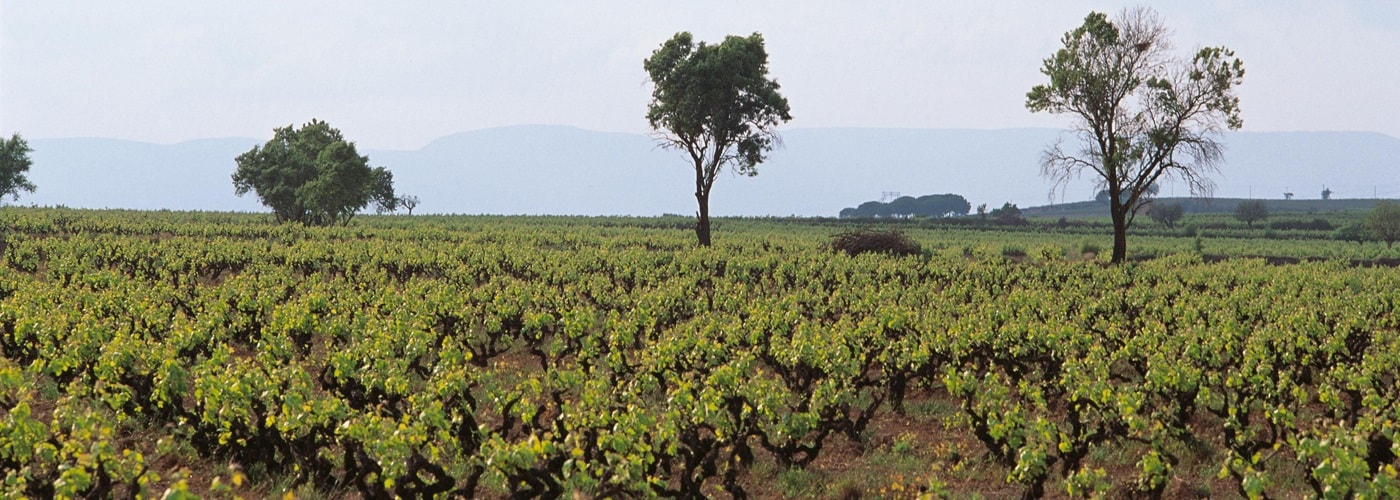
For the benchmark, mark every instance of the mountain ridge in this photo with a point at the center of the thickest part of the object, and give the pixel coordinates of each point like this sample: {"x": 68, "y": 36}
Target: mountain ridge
{"x": 560, "y": 169}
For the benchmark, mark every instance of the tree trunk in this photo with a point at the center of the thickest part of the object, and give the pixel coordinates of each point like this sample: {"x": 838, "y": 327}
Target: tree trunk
{"x": 1120, "y": 230}
{"x": 702, "y": 223}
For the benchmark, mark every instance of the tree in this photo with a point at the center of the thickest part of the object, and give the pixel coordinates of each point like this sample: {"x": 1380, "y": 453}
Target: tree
{"x": 14, "y": 163}
{"x": 717, "y": 104}
{"x": 1251, "y": 210}
{"x": 1009, "y": 213}
{"x": 1166, "y": 214}
{"x": 932, "y": 205}
{"x": 381, "y": 191}
{"x": 872, "y": 209}
{"x": 312, "y": 175}
{"x": 408, "y": 202}
{"x": 1384, "y": 222}
{"x": 903, "y": 206}
{"x": 1142, "y": 115}
{"x": 943, "y": 205}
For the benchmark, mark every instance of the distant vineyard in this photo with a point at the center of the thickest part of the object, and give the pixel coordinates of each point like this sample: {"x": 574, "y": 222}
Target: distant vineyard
{"x": 540, "y": 357}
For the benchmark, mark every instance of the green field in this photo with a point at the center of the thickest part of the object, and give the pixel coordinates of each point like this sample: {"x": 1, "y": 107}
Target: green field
{"x": 221, "y": 355}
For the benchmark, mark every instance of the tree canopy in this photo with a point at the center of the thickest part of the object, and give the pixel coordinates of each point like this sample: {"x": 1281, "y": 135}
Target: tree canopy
{"x": 717, "y": 104}
{"x": 1384, "y": 222}
{"x": 14, "y": 164}
{"x": 1166, "y": 214}
{"x": 1249, "y": 211}
{"x": 312, "y": 175}
{"x": 933, "y": 205}
{"x": 1009, "y": 213}
{"x": 1141, "y": 114}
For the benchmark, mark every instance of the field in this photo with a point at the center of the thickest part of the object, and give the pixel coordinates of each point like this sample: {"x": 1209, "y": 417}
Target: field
{"x": 220, "y": 355}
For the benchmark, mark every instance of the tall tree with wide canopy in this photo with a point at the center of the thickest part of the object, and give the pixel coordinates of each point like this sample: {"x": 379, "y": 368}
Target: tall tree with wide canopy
{"x": 1384, "y": 222}
{"x": 717, "y": 104}
{"x": 1142, "y": 114}
{"x": 14, "y": 164}
{"x": 312, "y": 175}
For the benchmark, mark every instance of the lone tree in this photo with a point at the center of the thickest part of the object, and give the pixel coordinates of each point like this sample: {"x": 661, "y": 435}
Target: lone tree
{"x": 14, "y": 163}
{"x": 1384, "y": 222}
{"x": 312, "y": 175}
{"x": 1142, "y": 115}
{"x": 717, "y": 104}
{"x": 1250, "y": 211}
{"x": 408, "y": 202}
{"x": 1166, "y": 214}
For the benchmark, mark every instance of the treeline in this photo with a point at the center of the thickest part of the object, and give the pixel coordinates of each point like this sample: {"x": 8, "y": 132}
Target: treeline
{"x": 933, "y": 205}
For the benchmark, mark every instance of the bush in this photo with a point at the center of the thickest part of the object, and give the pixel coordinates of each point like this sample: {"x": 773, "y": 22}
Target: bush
{"x": 866, "y": 240}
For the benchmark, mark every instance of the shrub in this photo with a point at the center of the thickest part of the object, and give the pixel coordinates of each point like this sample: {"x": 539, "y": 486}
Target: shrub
{"x": 864, "y": 240}
{"x": 1013, "y": 251}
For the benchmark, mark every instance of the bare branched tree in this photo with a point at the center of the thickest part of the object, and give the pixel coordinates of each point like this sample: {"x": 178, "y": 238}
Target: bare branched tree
{"x": 1141, "y": 114}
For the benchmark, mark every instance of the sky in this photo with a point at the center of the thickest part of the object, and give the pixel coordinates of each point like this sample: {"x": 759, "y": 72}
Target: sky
{"x": 397, "y": 75}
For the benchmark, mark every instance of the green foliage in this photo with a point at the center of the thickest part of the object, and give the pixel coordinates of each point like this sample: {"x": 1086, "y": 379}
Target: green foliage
{"x": 1250, "y": 211}
{"x": 1351, "y": 232}
{"x": 717, "y": 104}
{"x": 14, "y": 164}
{"x": 933, "y": 205}
{"x": 313, "y": 176}
{"x": 1009, "y": 213}
{"x": 1384, "y": 222}
{"x": 542, "y": 356}
{"x": 1142, "y": 115}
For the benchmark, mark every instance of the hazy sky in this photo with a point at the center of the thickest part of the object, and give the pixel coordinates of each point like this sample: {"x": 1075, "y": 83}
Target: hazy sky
{"x": 395, "y": 75}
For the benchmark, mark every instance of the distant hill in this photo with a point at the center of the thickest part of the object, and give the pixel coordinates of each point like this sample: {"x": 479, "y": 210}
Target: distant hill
{"x": 565, "y": 170}
{"x": 112, "y": 173}
{"x": 1085, "y": 209}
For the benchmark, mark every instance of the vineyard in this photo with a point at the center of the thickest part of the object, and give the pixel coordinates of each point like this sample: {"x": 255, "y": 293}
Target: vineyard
{"x": 219, "y": 355}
